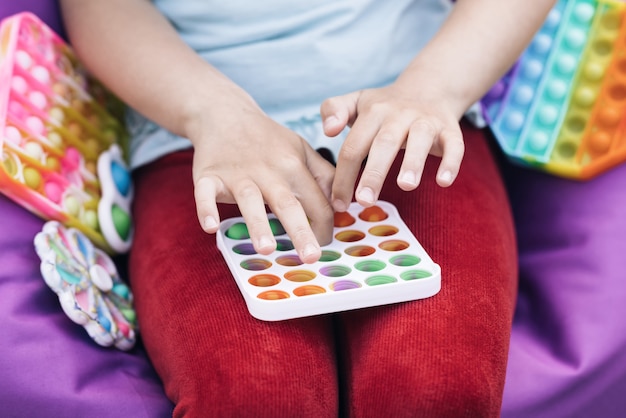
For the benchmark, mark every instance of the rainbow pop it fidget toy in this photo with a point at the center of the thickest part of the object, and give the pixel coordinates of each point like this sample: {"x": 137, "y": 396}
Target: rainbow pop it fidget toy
{"x": 374, "y": 259}
{"x": 88, "y": 286}
{"x": 562, "y": 107}
{"x": 61, "y": 138}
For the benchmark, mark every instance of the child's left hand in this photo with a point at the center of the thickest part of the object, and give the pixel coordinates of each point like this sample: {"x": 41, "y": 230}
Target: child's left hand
{"x": 383, "y": 121}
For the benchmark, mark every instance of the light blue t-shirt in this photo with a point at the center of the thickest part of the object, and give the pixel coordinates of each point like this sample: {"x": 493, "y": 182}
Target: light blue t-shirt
{"x": 290, "y": 55}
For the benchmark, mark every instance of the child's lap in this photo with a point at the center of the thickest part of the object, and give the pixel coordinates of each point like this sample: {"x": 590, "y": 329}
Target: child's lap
{"x": 195, "y": 323}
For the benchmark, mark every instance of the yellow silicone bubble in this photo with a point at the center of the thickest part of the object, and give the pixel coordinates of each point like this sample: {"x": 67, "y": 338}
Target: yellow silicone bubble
{"x": 72, "y": 205}
{"x": 10, "y": 166}
{"x": 90, "y": 218}
{"x": 32, "y": 178}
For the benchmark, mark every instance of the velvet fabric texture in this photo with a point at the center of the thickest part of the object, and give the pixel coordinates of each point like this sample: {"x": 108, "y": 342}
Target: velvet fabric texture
{"x": 567, "y": 355}
{"x": 442, "y": 356}
{"x": 49, "y": 366}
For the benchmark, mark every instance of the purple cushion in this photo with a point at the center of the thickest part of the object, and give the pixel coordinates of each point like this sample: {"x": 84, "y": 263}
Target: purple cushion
{"x": 47, "y": 10}
{"x": 49, "y": 365}
{"x": 568, "y": 348}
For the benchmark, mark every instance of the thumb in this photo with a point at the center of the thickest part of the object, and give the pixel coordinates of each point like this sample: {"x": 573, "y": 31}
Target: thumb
{"x": 338, "y": 112}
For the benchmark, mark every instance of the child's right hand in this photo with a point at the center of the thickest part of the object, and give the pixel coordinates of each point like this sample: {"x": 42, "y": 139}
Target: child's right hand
{"x": 242, "y": 156}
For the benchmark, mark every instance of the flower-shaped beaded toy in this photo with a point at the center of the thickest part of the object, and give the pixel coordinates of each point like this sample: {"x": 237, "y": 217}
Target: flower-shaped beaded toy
{"x": 88, "y": 286}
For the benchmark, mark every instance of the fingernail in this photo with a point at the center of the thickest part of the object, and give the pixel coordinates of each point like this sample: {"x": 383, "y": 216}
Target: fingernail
{"x": 409, "y": 178}
{"x": 330, "y": 122}
{"x": 366, "y": 194}
{"x": 339, "y": 206}
{"x": 210, "y": 222}
{"x": 308, "y": 250}
{"x": 266, "y": 242}
{"x": 446, "y": 177}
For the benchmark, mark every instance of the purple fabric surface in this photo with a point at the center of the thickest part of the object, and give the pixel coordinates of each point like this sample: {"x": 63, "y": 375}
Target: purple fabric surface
{"x": 568, "y": 348}
{"x": 48, "y": 365}
{"x": 47, "y": 10}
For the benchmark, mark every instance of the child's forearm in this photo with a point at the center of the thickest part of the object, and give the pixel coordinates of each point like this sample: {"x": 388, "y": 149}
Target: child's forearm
{"x": 477, "y": 44}
{"x": 132, "y": 48}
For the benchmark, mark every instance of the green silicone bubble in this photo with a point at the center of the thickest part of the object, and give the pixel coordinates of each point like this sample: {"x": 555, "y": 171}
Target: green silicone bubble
{"x": 121, "y": 220}
{"x": 238, "y": 231}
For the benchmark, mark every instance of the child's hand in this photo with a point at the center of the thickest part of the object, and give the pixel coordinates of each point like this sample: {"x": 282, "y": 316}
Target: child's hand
{"x": 383, "y": 121}
{"x": 242, "y": 156}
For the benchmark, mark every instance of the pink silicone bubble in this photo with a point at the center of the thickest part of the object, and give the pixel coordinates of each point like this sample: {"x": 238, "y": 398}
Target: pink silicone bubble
{"x": 19, "y": 85}
{"x": 54, "y": 191}
{"x": 38, "y": 99}
{"x": 17, "y": 110}
{"x": 13, "y": 135}
{"x": 72, "y": 158}
{"x": 345, "y": 285}
{"x": 41, "y": 74}
{"x": 23, "y": 59}
{"x": 36, "y": 125}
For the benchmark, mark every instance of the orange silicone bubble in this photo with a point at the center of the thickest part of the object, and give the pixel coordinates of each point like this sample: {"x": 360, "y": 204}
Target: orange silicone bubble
{"x": 373, "y": 214}
{"x": 383, "y": 230}
{"x": 308, "y": 290}
{"x": 343, "y": 219}
{"x": 273, "y": 295}
{"x": 300, "y": 276}
{"x": 289, "y": 260}
{"x": 264, "y": 280}
{"x": 394, "y": 245}
{"x": 350, "y": 236}
{"x": 360, "y": 251}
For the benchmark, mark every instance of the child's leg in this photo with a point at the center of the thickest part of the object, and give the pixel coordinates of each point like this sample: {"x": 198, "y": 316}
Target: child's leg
{"x": 446, "y": 355}
{"x": 568, "y": 345}
{"x": 213, "y": 357}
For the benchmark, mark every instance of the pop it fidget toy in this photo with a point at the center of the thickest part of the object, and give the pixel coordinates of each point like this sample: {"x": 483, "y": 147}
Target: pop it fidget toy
{"x": 87, "y": 284}
{"x": 61, "y": 137}
{"x": 562, "y": 108}
{"x": 373, "y": 260}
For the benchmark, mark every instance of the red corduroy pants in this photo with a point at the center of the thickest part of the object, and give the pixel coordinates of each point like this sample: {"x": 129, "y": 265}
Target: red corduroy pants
{"x": 443, "y": 356}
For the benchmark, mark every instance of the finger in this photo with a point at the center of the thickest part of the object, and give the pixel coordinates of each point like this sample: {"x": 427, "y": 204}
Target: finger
{"x": 339, "y": 112}
{"x": 350, "y": 159}
{"x": 292, "y": 216}
{"x": 420, "y": 141}
{"x": 252, "y": 207}
{"x": 453, "y": 149}
{"x": 382, "y": 153}
{"x": 323, "y": 172}
{"x": 205, "y": 193}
